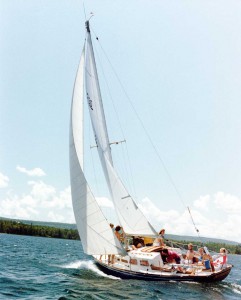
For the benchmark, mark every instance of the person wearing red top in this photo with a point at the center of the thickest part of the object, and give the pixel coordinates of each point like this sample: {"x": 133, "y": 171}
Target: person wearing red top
{"x": 170, "y": 256}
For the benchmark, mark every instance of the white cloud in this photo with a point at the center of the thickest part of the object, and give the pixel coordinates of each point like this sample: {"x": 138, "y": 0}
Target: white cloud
{"x": 159, "y": 218}
{"x": 227, "y": 203}
{"x": 42, "y": 203}
{"x": 202, "y": 202}
{"x": 34, "y": 172}
{"x": 14, "y": 207}
{"x": 3, "y": 180}
{"x": 42, "y": 191}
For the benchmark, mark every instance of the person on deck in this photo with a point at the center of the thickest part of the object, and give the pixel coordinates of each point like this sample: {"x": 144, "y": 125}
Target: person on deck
{"x": 220, "y": 261}
{"x": 159, "y": 241}
{"x": 190, "y": 254}
{"x": 138, "y": 242}
{"x": 207, "y": 258}
{"x": 200, "y": 254}
{"x": 170, "y": 256}
{"x": 122, "y": 235}
{"x": 223, "y": 252}
{"x": 223, "y": 255}
{"x": 118, "y": 232}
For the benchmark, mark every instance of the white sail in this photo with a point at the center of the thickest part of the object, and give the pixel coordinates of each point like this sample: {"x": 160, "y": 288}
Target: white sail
{"x": 131, "y": 218}
{"x": 96, "y": 235}
{"x": 129, "y": 214}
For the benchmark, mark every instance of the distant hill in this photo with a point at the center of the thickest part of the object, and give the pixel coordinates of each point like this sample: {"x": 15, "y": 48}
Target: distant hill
{"x": 196, "y": 239}
{"x": 168, "y": 236}
{"x": 51, "y": 224}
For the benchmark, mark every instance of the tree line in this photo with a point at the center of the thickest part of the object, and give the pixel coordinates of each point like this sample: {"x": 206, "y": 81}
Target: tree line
{"x": 16, "y": 227}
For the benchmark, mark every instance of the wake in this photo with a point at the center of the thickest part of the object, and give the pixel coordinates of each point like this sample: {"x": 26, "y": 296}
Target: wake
{"x": 236, "y": 288}
{"x": 88, "y": 265}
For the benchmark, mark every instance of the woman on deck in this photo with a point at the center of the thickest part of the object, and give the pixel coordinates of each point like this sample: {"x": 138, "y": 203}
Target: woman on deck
{"x": 159, "y": 241}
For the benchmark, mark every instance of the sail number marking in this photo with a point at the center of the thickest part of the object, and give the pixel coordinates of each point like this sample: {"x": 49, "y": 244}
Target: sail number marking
{"x": 90, "y": 102}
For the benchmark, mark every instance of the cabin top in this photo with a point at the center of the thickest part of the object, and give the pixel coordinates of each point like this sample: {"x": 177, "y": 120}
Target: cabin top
{"x": 150, "y": 249}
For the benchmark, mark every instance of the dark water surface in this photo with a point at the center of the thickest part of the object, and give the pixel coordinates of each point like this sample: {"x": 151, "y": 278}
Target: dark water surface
{"x": 42, "y": 268}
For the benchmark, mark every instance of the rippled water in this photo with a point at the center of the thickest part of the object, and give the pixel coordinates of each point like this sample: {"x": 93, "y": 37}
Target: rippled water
{"x": 42, "y": 268}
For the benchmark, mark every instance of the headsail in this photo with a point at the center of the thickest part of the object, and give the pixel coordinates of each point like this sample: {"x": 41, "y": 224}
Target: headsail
{"x": 130, "y": 216}
{"x": 96, "y": 235}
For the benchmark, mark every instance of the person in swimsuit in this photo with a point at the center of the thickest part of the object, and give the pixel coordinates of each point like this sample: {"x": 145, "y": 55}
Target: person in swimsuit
{"x": 159, "y": 241}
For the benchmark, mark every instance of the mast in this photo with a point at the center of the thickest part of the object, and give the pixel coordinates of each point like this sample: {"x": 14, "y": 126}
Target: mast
{"x": 94, "y": 99}
{"x": 130, "y": 216}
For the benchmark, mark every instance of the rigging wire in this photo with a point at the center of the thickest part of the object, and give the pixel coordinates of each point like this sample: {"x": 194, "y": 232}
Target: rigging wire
{"x": 197, "y": 230}
{"x": 148, "y": 136}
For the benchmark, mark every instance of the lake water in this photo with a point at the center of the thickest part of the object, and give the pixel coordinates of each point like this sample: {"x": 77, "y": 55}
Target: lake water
{"x": 43, "y": 268}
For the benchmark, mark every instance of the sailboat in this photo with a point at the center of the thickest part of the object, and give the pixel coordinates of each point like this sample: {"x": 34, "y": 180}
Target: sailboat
{"x": 111, "y": 255}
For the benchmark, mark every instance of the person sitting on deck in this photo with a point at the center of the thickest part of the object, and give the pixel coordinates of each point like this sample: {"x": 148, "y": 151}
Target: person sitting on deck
{"x": 117, "y": 232}
{"x": 190, "y": 254}
{"x": 203, "y": 256}
{"x": 138, "y": 242}
{"x": 122, "y": 235}
{"x": 221, "y": 260}
{"x": 170, "y": 256}
{"x": 207, "y": 259}
{"x": 223, "y": 253}
{"x": 159, "y": 241}
{"x": 200, "y": 254}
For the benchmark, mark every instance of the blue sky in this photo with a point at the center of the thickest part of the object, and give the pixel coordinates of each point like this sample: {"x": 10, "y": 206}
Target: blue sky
{"x": 179, "y": 63}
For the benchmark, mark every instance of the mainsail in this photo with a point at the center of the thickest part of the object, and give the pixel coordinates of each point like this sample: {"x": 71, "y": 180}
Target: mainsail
{"x": 130, "y": 216}
{"x": 96, "y": 235}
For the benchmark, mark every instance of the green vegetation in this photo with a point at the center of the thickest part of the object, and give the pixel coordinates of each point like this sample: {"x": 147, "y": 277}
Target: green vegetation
{"x": 17, "y": 227}
{"x": 212, "y": 246}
